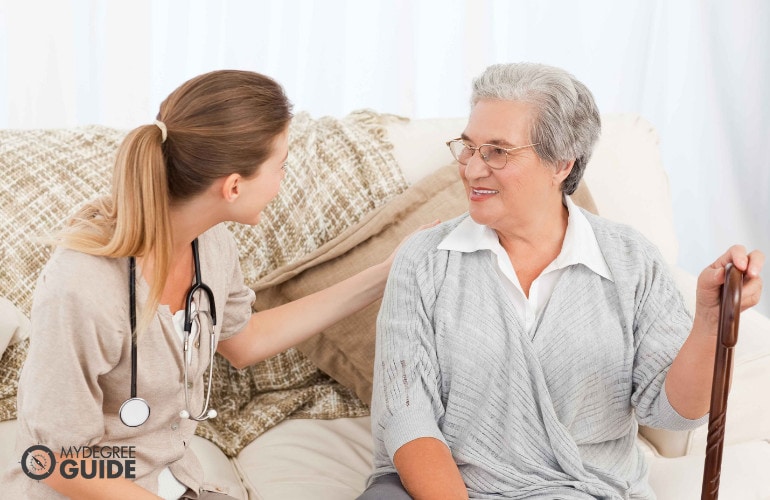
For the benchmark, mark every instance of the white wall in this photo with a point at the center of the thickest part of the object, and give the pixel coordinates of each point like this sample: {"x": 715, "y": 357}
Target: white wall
{"x": 698, "y": 70}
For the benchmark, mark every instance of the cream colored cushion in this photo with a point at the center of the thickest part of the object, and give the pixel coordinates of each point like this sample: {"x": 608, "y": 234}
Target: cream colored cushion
{"x": 292, "y": 462}
{"x": 744, "y": 474}
{"x": 748, "y": 408}
{"x": 421, "y": 144}
{"x": 14, "y": 324}
{"x": 309, "y": 459}
{"x": 8, "y": 445}
{"x": 219, "y": 472}
{"x": 628, "y": 181}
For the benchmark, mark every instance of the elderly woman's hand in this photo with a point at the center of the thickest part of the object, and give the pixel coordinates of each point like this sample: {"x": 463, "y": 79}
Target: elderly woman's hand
{"x": 712, "y": 278}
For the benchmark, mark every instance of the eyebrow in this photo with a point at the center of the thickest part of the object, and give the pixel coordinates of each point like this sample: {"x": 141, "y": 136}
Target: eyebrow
{"x": 496, "y": 142}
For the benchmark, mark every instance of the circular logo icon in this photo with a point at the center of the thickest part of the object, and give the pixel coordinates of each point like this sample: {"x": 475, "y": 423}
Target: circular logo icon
{"x": 38, "y": 462}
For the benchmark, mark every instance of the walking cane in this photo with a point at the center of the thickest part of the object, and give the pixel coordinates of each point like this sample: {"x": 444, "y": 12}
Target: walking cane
{"x": 727, "y": 337}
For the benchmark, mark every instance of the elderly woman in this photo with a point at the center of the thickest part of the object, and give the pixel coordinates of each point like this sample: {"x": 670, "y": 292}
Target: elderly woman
{"x": 519, "y": 344}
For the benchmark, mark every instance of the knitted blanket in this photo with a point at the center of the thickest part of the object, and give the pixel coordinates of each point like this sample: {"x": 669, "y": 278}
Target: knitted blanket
{"x": 339, "y": 170}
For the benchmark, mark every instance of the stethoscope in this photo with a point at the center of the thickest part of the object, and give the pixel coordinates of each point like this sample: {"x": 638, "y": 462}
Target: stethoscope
{"x": 135, "y": 411}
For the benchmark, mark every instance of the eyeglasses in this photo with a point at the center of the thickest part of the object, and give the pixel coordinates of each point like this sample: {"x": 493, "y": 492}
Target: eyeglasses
{"x": 495, "y": 157}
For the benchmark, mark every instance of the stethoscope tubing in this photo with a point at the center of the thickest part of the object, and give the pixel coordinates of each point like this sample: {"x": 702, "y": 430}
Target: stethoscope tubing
{"x": 135, "y": 411}
{"x": 132, "y": 319}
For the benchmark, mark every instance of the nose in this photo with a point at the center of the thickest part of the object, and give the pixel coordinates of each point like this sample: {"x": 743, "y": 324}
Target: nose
{"x": 476, "y": 168}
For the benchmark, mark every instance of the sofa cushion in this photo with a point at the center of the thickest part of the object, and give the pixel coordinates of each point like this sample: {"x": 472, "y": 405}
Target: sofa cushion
{"x": 8, "y": 445}
{"x": 301, "y": 459}
{"x": 419, "y": 146}
{"x": 292, "y": 461}
{"x": 346, "y": 350}
{"x": 46, "y": 175}
{"x": 629, "y": 183}
{"x": 14, "y": 324}
{"x": 219, "y": 472}
{"x": 744, "y": 474}
{"x": 748, "y": 408}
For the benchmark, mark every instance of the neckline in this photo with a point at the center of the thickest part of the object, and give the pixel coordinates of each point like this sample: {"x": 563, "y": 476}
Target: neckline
{"x": 143, "y": 291}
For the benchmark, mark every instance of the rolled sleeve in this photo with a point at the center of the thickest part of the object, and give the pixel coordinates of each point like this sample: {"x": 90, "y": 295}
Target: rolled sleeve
{"x": 240, "y": 298}
{"x": 674, "y": 421}
{"x": 408, "y": 426}
{"x": 662, "y": 325}
{"x": 406, "y": 401}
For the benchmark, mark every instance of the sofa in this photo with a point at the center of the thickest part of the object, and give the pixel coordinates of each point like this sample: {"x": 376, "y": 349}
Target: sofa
{"x": 328, "y": 458}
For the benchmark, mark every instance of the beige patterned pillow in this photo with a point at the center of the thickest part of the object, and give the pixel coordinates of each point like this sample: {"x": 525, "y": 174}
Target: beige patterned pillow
{"x": 47, "y": 174}
{"x": 339, "y": 170}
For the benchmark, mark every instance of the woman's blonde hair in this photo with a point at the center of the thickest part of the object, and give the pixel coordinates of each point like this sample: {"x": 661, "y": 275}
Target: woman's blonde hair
{"x": 217, "y": 124}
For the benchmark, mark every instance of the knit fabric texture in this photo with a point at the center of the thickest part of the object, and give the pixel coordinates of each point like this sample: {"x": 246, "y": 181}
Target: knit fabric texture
{"x": 549, "y": 412}
{"x": 339, "y": 170}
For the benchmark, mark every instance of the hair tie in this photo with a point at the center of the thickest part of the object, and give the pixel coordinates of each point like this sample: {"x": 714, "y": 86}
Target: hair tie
{"x": 163, "y": 130}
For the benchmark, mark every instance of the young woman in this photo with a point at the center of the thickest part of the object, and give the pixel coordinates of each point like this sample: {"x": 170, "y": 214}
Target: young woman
{"x": 120, "y": 338}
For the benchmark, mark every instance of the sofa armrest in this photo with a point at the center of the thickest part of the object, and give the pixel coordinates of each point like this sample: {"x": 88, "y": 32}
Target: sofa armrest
{"x": 748, "y": 405}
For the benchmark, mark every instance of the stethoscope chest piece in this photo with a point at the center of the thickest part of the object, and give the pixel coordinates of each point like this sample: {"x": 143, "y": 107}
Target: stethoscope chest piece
{"x": 134, "y": 412}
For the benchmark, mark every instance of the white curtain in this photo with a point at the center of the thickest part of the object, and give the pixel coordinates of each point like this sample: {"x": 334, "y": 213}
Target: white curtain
{"x": 698, "y": 70}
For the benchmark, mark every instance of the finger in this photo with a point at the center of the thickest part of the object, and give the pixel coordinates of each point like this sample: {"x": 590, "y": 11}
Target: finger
{"x": 713, "y": 276}
{"x": 735, "y": 254}
{"x": 751, "y": 292}
{"x": 756, "y": 261}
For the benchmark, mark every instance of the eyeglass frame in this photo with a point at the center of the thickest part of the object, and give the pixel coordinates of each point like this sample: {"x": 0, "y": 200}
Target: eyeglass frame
{"x": 477, "y": 148}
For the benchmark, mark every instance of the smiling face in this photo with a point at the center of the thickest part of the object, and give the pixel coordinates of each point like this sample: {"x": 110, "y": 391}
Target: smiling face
{"x": 519, "y": 194}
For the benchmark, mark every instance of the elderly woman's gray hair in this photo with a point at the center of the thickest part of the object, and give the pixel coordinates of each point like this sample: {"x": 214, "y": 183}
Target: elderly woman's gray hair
{"x": 567, "y": 124}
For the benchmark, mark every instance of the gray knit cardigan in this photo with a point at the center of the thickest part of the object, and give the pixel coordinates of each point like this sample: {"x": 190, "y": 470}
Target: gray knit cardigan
{"x": 547, "y": 413}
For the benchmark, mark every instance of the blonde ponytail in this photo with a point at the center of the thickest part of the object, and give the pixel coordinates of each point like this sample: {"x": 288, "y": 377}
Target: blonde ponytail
{"x": 134, "y": 220}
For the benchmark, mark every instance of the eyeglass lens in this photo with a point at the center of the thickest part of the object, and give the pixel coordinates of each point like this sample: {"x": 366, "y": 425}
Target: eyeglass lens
{"x": 493, "y": 156}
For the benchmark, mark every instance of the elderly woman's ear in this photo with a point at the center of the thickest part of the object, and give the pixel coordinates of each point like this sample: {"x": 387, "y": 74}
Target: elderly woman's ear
{"x": 562, "y": 171}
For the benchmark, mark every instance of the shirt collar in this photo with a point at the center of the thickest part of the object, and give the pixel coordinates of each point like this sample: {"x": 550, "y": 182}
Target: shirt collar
{"x": 579, "y": 246}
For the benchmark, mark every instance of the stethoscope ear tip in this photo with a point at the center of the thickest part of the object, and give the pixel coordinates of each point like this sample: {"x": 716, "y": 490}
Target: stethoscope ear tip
{"x": 209, "y": 414}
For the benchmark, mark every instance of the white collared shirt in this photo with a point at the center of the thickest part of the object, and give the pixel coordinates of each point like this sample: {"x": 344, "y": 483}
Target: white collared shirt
{"x": 579, "y": 247}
